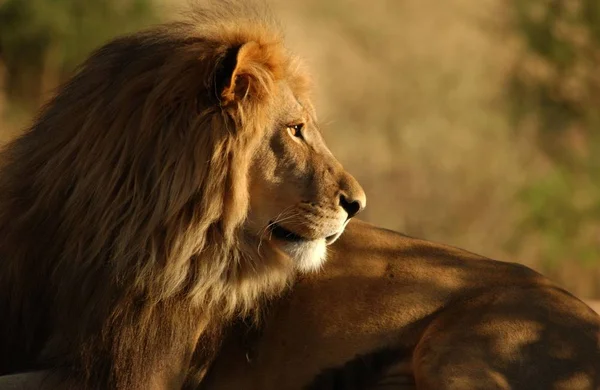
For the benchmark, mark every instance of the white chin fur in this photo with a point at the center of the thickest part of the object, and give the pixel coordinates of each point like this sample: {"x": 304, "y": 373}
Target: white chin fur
{"x": 308, "y": 256}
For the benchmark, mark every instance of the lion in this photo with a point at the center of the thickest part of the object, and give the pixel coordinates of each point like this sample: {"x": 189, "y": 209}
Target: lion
{"x": 175, "y": 183}
{"x": 396, "y": 312}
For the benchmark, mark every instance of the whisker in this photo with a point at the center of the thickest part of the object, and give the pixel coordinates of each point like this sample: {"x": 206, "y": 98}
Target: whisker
{"x": 280, "y": 217}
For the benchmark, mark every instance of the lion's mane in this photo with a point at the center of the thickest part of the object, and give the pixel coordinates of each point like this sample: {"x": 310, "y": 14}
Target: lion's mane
{"x": 121, "y": 208}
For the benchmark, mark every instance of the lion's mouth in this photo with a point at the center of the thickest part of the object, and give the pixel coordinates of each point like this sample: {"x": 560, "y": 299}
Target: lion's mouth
{"x": 331, "y": 239}
{"x": 284, "y": 234}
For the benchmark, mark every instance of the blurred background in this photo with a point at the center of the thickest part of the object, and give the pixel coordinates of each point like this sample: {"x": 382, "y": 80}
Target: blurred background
{"x": 471, "y": 122}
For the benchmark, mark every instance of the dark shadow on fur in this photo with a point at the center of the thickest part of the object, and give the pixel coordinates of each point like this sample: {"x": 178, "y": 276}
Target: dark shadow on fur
{"x": 361, "y": 372}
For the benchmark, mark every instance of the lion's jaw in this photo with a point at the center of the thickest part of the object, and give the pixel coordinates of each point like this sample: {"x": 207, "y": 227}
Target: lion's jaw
{"x": 307, "y": 256}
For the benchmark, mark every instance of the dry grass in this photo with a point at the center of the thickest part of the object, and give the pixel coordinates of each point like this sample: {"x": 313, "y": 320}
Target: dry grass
{"x": 411, "y": 99}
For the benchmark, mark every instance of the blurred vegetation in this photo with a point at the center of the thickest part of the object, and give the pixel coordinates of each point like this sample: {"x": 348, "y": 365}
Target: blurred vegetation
{"x": 413, "y": 96}
{"x": 42, "y": 41}
{"x": 555, "y": 91}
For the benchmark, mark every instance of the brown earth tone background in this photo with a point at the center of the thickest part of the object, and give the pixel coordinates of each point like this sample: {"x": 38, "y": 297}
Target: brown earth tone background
{"x": 415, "y": 99}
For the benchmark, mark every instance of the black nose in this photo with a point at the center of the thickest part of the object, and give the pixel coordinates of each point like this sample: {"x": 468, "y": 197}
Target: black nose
{"x": 351, "y": 206}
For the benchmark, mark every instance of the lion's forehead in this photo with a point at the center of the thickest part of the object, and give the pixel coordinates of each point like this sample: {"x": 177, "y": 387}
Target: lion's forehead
{"x": 290, "y": 102}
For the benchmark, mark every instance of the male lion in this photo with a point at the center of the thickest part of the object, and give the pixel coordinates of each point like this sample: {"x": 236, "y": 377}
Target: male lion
{"x": 175, "y": 182}
{"x": 395, "y": 312}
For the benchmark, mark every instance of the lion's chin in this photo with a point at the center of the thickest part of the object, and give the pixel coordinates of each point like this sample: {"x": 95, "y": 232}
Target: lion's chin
{"x": 308, "y": 256}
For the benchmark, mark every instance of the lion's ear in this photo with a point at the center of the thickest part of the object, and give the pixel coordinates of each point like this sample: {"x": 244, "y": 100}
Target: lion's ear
{"x": 248, "y": 70}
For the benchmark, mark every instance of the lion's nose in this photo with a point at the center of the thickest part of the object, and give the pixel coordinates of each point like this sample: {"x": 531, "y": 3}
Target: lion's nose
{"x": 352, "y": 197}
{"x": 352, "y": 205}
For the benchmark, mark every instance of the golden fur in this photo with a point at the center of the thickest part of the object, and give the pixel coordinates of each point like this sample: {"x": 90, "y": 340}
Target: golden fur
{"x": 390, "y": 311}
{"x": 135, "y": 212}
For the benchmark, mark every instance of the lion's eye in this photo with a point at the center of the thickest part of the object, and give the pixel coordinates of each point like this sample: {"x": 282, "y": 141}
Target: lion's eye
{"x": 296, "y": 130}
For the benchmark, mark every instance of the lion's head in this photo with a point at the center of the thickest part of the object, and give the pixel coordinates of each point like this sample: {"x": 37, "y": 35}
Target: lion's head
{"x": 298, "y": 198}
{"x": 174, "y": 180}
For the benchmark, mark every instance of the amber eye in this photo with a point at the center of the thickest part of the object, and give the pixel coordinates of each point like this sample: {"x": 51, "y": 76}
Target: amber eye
{"x": 296, "y": 130}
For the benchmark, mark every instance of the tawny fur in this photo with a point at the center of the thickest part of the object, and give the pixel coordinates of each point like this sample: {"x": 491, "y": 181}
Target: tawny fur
{"x": 121, "y": 208}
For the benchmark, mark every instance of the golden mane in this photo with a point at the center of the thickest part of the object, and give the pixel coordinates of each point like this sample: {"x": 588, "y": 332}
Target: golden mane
{"x": 121, "y": 208}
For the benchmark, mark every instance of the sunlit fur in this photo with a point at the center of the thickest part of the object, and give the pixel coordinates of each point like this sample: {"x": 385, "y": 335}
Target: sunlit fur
{"x": 121, "y": 208}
